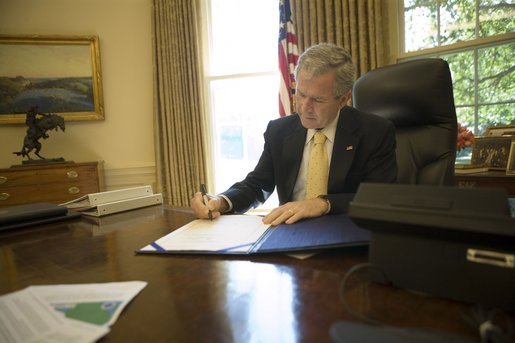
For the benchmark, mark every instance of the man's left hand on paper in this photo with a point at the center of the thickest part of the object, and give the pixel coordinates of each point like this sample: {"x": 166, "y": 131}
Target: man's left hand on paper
{"x": 215, "y": 205}
{"x": 294, "y": 211}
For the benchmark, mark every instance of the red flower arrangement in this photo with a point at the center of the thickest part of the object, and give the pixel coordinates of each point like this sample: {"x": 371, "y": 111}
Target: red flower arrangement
{"x": 465, "y": 138}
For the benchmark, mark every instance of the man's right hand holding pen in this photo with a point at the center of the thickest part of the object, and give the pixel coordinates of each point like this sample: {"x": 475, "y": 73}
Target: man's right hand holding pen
{"x": 217, "y": 205}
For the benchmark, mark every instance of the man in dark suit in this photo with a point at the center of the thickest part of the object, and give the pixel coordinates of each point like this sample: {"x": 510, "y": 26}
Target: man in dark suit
{"x": 360, "y": 147}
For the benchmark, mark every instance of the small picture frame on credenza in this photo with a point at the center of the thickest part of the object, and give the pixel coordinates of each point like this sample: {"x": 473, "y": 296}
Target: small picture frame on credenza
{"x": 504, "y": 130}
{"x": 492, "y": 151}
{"x": 510, "y": 168}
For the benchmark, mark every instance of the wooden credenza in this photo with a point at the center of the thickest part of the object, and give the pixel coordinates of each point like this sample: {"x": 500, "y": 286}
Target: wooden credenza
{"x": 55, "y": 183}
{"x": 491, "y": 179}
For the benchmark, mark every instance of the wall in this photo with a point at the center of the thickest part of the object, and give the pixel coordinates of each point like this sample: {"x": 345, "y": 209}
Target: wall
{"x": 124, "y": 140}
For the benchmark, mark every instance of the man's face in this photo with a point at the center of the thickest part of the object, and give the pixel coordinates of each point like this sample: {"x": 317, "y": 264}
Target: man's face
{"x": 315, "y": 100}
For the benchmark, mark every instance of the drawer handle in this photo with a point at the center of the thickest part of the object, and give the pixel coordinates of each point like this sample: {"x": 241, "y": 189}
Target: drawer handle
{"x": 72, "y": 174}
{"x": 4, "y": 196}
{"x": 73, "y": 190}
{"x": 493, "y": 258}
{"x": 3, "y": 180}
{"x": 467, "y": 184}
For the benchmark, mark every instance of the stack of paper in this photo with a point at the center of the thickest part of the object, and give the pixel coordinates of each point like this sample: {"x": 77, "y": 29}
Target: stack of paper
{"x": 470, "y": 168}
{"x": 64, "y": 313}
{"x": 104, "y": 203}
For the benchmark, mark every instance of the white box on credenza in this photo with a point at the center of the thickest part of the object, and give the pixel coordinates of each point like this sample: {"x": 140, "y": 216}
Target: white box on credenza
{"x": 104, "y": 203}
{"x": 124, "y": 205}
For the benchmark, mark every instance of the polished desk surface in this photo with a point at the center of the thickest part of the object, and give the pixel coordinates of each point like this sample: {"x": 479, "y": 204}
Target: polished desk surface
{"x": 211, "y": 298}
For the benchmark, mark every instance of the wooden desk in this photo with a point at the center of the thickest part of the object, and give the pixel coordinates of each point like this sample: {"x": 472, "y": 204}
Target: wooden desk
{"x": 492, "y": 179}
{"x": 200, "y": 298}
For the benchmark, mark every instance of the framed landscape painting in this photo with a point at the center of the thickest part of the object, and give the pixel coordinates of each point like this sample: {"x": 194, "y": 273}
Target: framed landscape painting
{"x": 58, "y": 74}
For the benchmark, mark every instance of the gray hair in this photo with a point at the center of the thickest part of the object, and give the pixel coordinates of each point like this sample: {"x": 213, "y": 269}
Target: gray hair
{"x": 322, "y": 58}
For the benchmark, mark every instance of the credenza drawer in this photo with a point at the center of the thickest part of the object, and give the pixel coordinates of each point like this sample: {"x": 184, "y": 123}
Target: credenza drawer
{"x": 490, "y": 179}
{"x": 55, "y": 183}
{"x": 79, "y": 174}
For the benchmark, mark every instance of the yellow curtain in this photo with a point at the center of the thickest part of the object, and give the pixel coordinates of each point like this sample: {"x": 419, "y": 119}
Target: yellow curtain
{"x": 354, "y": 24}
{"x": 179, "y": 126}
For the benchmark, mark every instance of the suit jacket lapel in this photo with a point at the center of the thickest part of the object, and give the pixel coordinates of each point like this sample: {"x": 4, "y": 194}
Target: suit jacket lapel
{"x": 293, "y": 149}
{"x": 344, "y": 147}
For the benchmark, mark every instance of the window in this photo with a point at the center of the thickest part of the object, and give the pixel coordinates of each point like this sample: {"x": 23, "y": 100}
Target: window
{"x": 242, "y": 82}
{"x": 476, "y": 38}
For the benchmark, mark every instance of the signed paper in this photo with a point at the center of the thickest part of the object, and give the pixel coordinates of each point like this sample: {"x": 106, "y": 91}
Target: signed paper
{"x": 234, "y": 233}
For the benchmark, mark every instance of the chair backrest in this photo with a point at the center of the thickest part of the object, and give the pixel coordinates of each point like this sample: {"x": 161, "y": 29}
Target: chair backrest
{"x": 417, "y": 97}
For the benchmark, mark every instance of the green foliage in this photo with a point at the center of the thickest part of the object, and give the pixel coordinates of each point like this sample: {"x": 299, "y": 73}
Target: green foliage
{"x": 430, "y": 23}
{"x": 457, "y": 21}
{"x": 483, "y": 76}
{"x": 496, "y": 17}
{"x": 496, "y": 77}
{"x": 492, "y": 89}
{"x": 462, "y": 76}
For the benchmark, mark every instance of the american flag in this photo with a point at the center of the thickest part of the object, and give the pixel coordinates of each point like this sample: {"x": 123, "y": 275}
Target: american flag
{"x": 288, "y": 56}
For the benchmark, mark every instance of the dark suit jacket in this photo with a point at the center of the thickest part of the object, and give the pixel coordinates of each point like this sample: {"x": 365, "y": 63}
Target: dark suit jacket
{"x": 363, "y": 150}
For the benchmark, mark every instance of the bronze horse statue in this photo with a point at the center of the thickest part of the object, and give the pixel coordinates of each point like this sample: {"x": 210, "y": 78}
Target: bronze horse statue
{"x": 38, "y": 125}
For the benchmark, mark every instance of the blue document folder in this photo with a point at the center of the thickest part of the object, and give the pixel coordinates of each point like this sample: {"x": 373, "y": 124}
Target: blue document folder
{"x": 207, "y": 237}
{"x": 316, "y": 233}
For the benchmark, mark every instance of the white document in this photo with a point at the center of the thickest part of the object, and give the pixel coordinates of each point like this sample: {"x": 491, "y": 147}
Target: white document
{"x": 96, "y": 303}
{"x": 229, "y": 233}
{"x": 64, "y": 313}
{"x": 24, "y": 317}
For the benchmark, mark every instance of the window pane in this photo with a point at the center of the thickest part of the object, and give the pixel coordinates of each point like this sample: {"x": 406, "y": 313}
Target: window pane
{"x": 437, "y": 23}
{"x": 420, "y": 25}
{"x": 241, "y": 107}
{"x": 494, "y": 115}
{"x": 462, "y": 70}
{"x": 244, "y": 36}
{"x": 496, "y": 74}
{"x": 483, "y": 75}
{"x": 496, "y": 17}
{"x": 457, "y": 21}
{"x": 465, "y": 116}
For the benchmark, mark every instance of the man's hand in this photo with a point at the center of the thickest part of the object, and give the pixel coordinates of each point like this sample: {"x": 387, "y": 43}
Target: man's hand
{"x": 215, "y": 204}
{"x": 292, "y": 212}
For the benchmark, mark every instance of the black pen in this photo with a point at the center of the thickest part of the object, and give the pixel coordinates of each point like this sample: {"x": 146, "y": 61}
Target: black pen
{"x": 204, "y": 196}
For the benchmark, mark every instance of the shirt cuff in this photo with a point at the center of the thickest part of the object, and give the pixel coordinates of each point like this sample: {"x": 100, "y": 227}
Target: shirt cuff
{"x": 324, "y": 197}
{"x": 328, "y": 206}
{"x": 228, "y": 202}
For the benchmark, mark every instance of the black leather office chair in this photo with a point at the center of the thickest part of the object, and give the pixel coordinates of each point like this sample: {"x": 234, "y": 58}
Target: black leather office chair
{"x": 417, "y": 97}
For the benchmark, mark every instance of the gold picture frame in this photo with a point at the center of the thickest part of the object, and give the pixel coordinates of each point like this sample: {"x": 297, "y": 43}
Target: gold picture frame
{"x": 510, "y": 169}
{"x": 59, "y": 74}
{"x": 503, "y": 130}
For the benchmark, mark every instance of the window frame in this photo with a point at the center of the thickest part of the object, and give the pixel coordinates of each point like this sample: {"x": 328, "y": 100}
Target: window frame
{"x": 463, "y": 46}
{"x": 207, "y": 78}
